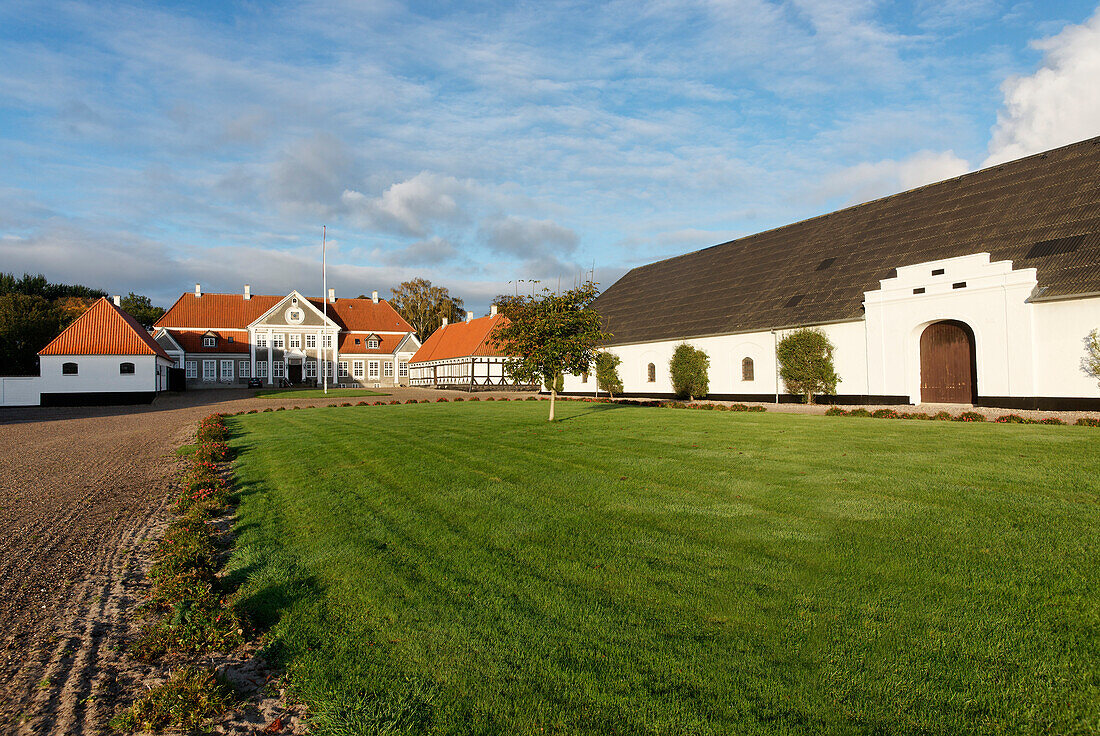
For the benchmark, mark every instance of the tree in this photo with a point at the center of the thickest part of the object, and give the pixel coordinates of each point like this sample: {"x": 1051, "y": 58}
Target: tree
{"x": 39, "y": 286}
{"x": 549, "y": 334}
{"x": 607, "y": 373}
{"x": 424, "y": 306}
{"x": 689, "y": 368}
{"x": 1091, "y": 362}
{"x": 27, "y": 324}
{"x": 141, "y": 308}
{"x": 806, "y": 363}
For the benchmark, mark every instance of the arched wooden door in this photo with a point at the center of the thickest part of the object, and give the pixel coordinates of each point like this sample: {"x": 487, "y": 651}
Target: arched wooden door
{"x": 948, "y": 370}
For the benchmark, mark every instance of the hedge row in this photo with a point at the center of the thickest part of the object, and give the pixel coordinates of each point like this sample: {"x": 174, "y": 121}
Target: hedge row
{"x": 191, "y": 610}
{"x": 943, "y": 416}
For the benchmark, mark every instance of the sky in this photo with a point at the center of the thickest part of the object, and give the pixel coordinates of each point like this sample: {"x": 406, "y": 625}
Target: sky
{"x": 492, "y": 147}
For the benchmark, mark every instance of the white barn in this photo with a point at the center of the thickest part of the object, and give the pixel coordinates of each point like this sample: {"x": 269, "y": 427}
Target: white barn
{"x": 978, "y": 290}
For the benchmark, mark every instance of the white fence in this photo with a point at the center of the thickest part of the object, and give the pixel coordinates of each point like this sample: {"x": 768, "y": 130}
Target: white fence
{"x": 20, "y": 391}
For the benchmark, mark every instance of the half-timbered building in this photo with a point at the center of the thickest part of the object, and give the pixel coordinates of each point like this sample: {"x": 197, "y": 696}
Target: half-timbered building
{"x": 462, "y": 355}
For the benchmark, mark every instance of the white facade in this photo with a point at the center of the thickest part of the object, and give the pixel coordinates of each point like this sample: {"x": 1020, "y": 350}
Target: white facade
{"x": 466, "y": 371}
{"x": 1024, "y": 348}
{"x": 87, "y": 374}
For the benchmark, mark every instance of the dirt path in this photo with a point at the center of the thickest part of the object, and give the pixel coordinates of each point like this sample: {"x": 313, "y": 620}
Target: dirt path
{"x": 82, "y": 500}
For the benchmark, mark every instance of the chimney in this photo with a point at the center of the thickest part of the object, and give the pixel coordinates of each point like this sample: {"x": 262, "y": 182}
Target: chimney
{"x": 444, "y": 322}
{"x": 332, "y": 295}
{"x": 198, "y": 291}
{"x": 374, "y": 296}
{"x": 117, "y": 300}
{"x": 247, "y": 291}
{"x": 469, "y": 316}
{"x": 493, "y": 310}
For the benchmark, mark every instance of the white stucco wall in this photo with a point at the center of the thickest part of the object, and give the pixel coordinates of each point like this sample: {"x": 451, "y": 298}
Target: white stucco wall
{"x": 20, "y": 391}
{"x": 98, "y": 374}
{"x": 1060, "y": 329}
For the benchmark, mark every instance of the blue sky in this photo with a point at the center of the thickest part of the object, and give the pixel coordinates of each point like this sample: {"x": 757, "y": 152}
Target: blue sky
{"x": 145, "y": 147}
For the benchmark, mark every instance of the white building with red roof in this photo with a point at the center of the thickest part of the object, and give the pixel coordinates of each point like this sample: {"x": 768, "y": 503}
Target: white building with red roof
{"x": 103, "y": 357}
{"x": 462, "y": 355}
{"x": 224, "y": 340}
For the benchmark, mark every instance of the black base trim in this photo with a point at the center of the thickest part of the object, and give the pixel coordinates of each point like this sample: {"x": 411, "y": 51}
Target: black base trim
{"x": 846, "y": 399}
{"x": 100, "y": 398}
{"x": 1039, "y": 403}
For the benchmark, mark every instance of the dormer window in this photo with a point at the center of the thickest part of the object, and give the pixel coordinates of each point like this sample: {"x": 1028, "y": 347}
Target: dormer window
{"x": 209, "y": 341}
{"x": 230, "y": 338}
{"x": 372, "y": 343}
{"x": 357, "y": 341}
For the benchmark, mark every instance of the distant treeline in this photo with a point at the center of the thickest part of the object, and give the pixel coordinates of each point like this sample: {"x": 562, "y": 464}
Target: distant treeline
{"x": 34, "y": 311}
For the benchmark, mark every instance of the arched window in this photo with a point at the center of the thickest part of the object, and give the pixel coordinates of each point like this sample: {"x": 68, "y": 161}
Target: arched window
{"x": 747, "y": 371}
{"x": 651, "y": 373}
{"x": 68, "y": 369}
{"x": 125, "y": 368}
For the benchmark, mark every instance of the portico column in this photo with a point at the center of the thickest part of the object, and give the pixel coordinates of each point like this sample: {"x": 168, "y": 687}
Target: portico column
{"x": 252, "y": 353}
{"x": 270, "y": 359}
{"x": 336, "y": 358}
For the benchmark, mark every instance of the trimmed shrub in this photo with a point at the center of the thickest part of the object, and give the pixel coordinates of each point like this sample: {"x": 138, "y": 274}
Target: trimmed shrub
{"x": 1051, "y": 420}
{"x": 1010, "y": 419}
{"x": 689, "y": 368}
{"x": 859, "y": 412}
{"x": 835, "y": 411}
{"x": 1087, "y": 422}
{"x": 806, "y": 363}
{"x": 757, "y": 408}
{"x": 885, "y": 414}
{"x": 941, "y": 416}
{"x": 607, "y": 373}
{"x": 970, "y": 416}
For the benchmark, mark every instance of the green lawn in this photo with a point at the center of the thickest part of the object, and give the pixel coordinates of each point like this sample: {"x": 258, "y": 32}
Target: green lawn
{"x": 316, "y": 393}
{"x": 470, "y": 568}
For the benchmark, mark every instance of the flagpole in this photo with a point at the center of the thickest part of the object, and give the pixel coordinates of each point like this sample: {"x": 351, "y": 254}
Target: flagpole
{"x": 324, "y": 308}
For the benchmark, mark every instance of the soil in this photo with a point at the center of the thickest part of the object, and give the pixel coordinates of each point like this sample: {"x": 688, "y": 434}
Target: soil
{"x": 83, "y": 499}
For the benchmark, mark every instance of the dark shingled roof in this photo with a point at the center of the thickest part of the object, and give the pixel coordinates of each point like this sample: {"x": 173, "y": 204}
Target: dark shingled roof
{"x": 1042, "y": 211}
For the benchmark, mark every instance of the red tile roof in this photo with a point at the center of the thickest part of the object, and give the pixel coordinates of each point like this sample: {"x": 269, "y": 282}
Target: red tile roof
{"x": 460, "y": 340}
{"x": 387, "y": 344}
{"x": 191, "y": 341}
{"x": 233, "y": 311}
{"x": 104, "y": 330}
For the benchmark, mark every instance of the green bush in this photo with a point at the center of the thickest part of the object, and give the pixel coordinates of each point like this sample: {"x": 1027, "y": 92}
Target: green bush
{"x": 689, "y": 367}
{"x": 970, "y": 416}
{"x": 806, "y": 363}
{"x": 836, "y": 411}
{"x": 607, "y": 373}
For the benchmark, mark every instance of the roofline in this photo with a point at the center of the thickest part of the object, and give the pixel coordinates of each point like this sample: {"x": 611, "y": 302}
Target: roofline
{"x": 281, "y": 299}
{"x": 1041, "y": 154}
{"x": 738, "y": 332}
{"x": 1066, "y": 297}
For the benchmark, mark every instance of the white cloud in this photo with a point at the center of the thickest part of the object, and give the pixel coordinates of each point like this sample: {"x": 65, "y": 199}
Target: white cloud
{"x": 867, "y": 181}
{"x": 1058, "y": 104}
{"x": 526, "y": 238}
{"x": 410, "y": 206}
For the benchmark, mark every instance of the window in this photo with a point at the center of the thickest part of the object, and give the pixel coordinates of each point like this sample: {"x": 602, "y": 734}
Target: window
{"x": 192, "y": 369}
{"x": 277, "y": 341}
{"x": 261, "y": 369}
{"x": 295, "y": 341}
{"x": 68, "y": 369}
{"x": 126, "y": 369}
{"x": 311, "y": 369}
{"x": 959, "y": 285}
{"x": 209, "y": 342}
{"x": 918, "y": 290}
{"x": 937, "y": 272}
{"x": 403, "y": 368}
{"x": 295, "y": 316}
{"x": 227, "y": 370}
{"x": 343, "y": 369}
{"x": 326, "y": 341}
{"x": 651, "y": 373}
{"x": 388, "y": 368}
{"x": 358, "y": 368}
{"x": 328, "y": 368}
{"x": 311, "y": 341}
{"x": 210, "y": 370}
{"x": 357, "y": 341}
{"x": 230, "y": 338}
{"x": 372, "y": 343}
{"x": 261, "y": 341}
{"x": 748, "y": 372}
{"x": 278, "y": 369}
{"x": 372, "y": 369}
{"x": 244, "y": 369}
{"x": 584, "y": 377}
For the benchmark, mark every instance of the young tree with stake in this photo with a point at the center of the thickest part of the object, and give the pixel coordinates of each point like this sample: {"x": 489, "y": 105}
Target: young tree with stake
{"x": 549, "y": 334}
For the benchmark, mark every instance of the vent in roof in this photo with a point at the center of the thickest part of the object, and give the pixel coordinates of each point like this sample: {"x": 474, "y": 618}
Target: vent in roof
{"x": 1055, "y": 246}
{"x": 794, "y": 300}
{"x": 825, "y": 264}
